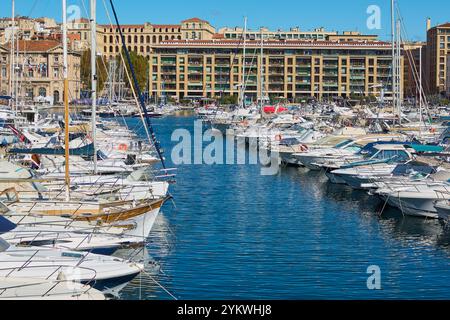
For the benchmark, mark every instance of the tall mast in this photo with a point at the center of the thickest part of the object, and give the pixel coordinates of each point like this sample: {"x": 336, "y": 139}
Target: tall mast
{"x": 397, "y": 75}
{"x": 242, "y": 102}
{"x": 261, "y": 97}
{"x": 420, "y": 90}
{"x": 66, "y": 99}
{"x": 11, "y": 58}
{"x": 94, "y": 78}
{"x": 394, "y": 82}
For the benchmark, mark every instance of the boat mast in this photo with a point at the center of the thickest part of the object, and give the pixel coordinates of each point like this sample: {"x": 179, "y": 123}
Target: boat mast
{"x": 242, "y": 102}
{"x": 420, "y": 90}
{"x": 261, "y": 97}
{"x": 94, "y": 78}
{"x": 397, "y": 75}
{"x": 66, "y": 100}
{"x": 12, "y": 41}
{"x": 393, "y": 68}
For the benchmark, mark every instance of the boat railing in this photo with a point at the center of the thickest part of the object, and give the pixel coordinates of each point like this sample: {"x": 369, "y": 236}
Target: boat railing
{"x": 25, "y": 264}
{"x": 48, "y": 292}
{"x": 394, "y": 187}
{"x": 55, "y": 271}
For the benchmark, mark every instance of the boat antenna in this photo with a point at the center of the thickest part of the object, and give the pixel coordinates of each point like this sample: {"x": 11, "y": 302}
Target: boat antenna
{"x": 94, "y": 79}
{"x": 138, "y": 89}
{"x": 66, "y": 101}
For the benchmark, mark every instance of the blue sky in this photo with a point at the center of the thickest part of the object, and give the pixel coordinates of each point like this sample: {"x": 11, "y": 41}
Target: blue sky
{"x": 331, "y": 14}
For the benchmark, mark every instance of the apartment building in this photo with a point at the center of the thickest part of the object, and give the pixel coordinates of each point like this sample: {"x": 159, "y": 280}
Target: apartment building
{"x": 412, "y": 54}
{"x": 448, "y": 76}
{"x": 26, "y": 28}
{"x": 39, "y": 70}
{"x": 438, "y": 48}
{"x": 293, "y": 69}
{"x": 319, "y": 34}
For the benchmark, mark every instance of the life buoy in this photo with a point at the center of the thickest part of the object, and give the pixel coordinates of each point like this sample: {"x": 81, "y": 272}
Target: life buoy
{"x": 123, "y": 147}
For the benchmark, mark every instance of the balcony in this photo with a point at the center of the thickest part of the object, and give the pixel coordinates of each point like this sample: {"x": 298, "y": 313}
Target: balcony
{"x": 276, "y": 87}
{"x": 276, "y": 71}
{"x": 330, "y": 66}
{"x": 169, "y": 70}
{"x": 222, "y": 87}
{"x": 195, "y": 70}
{"x": 357, "y": 67}
{"x": 168, "y": 61}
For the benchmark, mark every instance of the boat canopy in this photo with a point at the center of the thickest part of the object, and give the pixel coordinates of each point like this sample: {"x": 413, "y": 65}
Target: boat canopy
{"x": 427, "y": 148}
{"x": 85, "y": 151}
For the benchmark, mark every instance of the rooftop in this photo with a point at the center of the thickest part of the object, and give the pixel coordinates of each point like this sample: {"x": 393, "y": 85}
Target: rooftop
{"x": 273, "y": 43}
{"x": 36, "y": 45}
{"x": 195, "y": 20}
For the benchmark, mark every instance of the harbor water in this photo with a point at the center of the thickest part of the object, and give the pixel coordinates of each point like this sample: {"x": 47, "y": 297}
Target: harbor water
{"x": 232, "y": 233}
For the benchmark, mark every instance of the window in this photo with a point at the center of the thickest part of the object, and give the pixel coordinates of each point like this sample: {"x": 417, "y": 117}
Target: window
{"x": 42, "y": 92}
{"x": 56, "y": 72}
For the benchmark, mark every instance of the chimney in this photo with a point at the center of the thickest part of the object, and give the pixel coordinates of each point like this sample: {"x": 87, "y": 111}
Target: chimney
{"x": 428, "y": 24}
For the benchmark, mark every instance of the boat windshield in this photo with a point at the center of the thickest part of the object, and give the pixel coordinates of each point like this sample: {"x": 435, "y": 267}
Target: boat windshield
{"x": 406, "y": 169}
{"x": 289, "y": 142}
{"x": 3, "y": 209}
{"x": 3, "y": 245}
{"x": 343, "y": 144}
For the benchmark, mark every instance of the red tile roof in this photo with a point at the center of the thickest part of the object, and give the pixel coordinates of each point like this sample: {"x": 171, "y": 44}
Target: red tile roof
{"x": 124, "y": 26}
{"x": 195, "y": 20}
{"x": 274, "y": 44}
{"x": 445, "y": 25}
{"x": 218, "y": 36}
{"x": 81, "y": 20}
{"x": 36, "y": 45}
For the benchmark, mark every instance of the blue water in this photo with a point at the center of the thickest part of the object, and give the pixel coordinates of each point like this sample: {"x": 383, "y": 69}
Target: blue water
{"x": 235, "y": 234}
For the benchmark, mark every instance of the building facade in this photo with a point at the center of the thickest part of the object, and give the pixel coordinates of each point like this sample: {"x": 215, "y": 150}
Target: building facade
{"x": 413, "y": 64}
{"x": 438, "y": 47}
{"x": 294, "y": 70}
{"x": 448, "y": 76}
{"x": 39, "y": 71}
{"x": 141, "y": 38}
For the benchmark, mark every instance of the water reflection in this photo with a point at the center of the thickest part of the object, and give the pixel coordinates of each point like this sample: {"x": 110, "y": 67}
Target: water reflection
{"x": 403, "y": 228}
{"x": 237, "y": 234}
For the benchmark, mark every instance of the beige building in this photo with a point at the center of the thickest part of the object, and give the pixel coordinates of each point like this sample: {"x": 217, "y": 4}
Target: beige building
{"x": 26, "y": 28}
{"x": 39, "y": 71}
{"x": 319, "y": 34}
{"x": 411, "y": 72}
{"x": 448, "y": 76}
{"x": 438, "y": 48}
{"x": 82, "y": 28}
{"x": 291, "y": 69}
{"x": 141, "y": 38}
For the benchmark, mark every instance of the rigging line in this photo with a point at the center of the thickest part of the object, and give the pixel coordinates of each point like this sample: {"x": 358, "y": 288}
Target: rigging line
{"x": 160, "y": 285}
{"x": 116, "y": 41}
{"x": 416, "y": 74}
{"x": 138, "y": 89}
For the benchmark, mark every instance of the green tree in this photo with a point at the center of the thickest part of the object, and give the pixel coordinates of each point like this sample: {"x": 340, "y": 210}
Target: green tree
{"x": 140, "y": 64}
{"x": 227, "y": 99}
{"x": 102, "y": 72}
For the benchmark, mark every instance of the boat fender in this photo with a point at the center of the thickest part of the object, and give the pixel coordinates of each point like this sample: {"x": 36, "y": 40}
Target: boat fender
{"x": 61, "y": 276}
